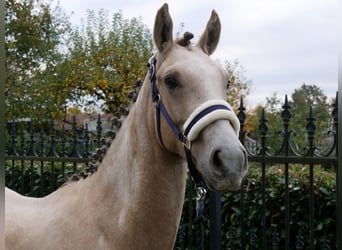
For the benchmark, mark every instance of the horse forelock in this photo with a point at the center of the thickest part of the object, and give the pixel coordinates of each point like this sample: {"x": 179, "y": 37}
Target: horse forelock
{"x": 185, "y": 40}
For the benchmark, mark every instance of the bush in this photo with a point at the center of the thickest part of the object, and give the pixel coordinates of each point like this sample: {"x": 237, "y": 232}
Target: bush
{"x": 37, "y": 179}
{"x": 299, "y": 195}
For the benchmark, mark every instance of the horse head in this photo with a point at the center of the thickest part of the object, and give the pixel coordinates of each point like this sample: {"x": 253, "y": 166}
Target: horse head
{"x": 192, "y": 89}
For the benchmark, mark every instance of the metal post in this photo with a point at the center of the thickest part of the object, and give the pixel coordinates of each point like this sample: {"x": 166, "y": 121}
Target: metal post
{"x": 2, "y": 122}
{"x": 339, "y": 161}
{"x": 286, "y": 116}
{"x": 242, "y": 117}
{"x": 263, "y": 128}
{"x": 310, "y": 129}
{"x": 215, "y": 220}
{"x": 339, "y": 148}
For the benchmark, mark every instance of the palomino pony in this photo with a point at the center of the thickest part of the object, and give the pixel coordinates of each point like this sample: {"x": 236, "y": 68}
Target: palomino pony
{"x": 134, "y": 200}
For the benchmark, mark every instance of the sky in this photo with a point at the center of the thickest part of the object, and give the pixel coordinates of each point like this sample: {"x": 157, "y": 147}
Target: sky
{"x": 280, "y": 44}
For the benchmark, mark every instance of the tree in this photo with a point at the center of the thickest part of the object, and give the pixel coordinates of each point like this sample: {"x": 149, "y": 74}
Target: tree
{"x": 34, "y": 31}
{"x": 273, "y": 103}
{"x": 238, "y": 89}
{"x": 239, "y": 86}
{"x": 309, "y": 96}
{"x": 302, "y": 99}
{"x": 272, "y": 112}
{"x": 106, "y": 59}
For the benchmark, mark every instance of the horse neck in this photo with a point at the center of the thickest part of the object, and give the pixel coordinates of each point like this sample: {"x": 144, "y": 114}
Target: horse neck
{"x": 147, "y": 179}
{"x": 136, "y": 150}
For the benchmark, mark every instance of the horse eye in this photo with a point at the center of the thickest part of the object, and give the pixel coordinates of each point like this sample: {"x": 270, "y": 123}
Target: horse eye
{"x": 171, "y": 83}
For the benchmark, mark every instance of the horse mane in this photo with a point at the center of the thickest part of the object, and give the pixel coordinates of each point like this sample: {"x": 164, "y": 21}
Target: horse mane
{"x": 97, "y": 156}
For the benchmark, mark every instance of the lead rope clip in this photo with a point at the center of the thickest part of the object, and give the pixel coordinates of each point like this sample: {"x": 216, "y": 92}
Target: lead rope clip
{"x": 201, "y": 192}
{"x": 200, "y": 197}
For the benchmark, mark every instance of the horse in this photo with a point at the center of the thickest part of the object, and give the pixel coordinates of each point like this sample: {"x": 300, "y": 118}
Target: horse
{"x": 134, "y": 200}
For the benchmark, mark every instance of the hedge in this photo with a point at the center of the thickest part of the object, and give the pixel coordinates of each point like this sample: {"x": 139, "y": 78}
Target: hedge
{"x": 299, "y": 193}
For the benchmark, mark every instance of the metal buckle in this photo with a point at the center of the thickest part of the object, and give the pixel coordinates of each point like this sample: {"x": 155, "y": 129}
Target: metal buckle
{"x": 152, "y": 67}
{"x": 201, "y": 193}
{"x": 156, "y": 100}
{"x": 186, "y": 142}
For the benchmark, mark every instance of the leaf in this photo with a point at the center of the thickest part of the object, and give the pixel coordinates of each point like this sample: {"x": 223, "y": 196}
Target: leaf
{"x": 324, "y": 191}
{"x": 236, "y": 210}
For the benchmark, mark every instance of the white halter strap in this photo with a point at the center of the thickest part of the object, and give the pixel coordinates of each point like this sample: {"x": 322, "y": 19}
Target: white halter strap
{"x": 209, "y": 117}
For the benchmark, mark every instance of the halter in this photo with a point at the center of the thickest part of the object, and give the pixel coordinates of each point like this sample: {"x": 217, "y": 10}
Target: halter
{"x": 201, "y": 117}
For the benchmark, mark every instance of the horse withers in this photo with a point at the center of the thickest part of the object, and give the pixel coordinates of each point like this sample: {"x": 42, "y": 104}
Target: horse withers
{"x": 135, "y": 199}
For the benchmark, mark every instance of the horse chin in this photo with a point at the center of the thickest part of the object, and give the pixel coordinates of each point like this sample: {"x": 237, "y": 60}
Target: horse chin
{"x": 224, "y": 185}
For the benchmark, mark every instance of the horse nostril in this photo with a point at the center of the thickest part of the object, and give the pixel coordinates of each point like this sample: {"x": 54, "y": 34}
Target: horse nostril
{"x": 216, "y": 159}
{"x": 224, "y": 161}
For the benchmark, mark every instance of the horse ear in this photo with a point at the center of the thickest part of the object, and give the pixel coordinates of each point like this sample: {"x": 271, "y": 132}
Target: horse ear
{"x": 162, "y": 32}
{"x": 210, "y": 37}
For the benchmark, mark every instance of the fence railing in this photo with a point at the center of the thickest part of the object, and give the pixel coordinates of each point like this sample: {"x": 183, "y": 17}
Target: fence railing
{"x": 288, "y": 201}
{"x": 40, "y": 158}
{"x": 314, "y": 153}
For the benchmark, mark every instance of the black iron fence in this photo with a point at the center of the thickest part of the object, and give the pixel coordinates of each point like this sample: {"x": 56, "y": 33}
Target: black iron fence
{"x": 288, "y": 200}
{"x": 40, "y": 158}
{"x": 311, "y": 223}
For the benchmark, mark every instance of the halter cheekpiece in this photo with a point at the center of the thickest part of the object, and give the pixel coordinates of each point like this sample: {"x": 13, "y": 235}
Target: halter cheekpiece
{"x": 201, "y": 117}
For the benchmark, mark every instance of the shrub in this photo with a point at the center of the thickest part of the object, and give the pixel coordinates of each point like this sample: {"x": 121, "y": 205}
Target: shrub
{"x": 299, "y": 195}
{"x": 37, "y": 179}
{"x": 299, "y": 200}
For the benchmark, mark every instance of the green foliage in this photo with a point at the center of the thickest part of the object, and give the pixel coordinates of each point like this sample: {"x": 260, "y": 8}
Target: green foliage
{"x": 299, "y": 192}
{"x": 105, "y": 59}
{"x": 37, "y": 179}
{"x": 50, "y": 64}
{"x": 34, "y": 32}
{"x": 239, "y": 86}
{"x": 301, "y": 100}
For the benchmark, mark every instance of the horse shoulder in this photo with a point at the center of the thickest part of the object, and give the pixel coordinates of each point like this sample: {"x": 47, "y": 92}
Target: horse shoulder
{"x": 20, "y": 222}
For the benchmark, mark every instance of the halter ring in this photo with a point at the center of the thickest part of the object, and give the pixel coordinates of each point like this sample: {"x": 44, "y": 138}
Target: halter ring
{"x": 156, "y": 99}
{"x": 186, "y": 142}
